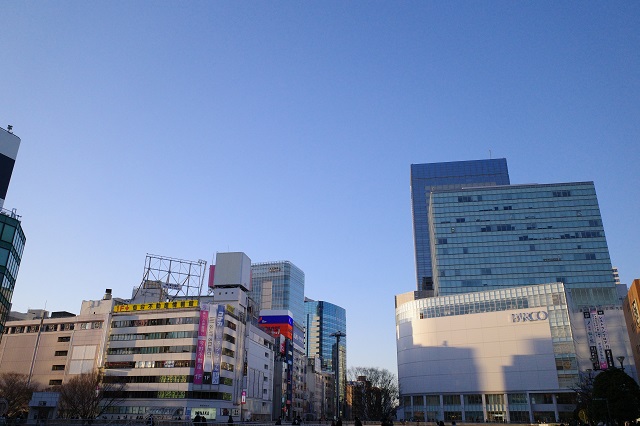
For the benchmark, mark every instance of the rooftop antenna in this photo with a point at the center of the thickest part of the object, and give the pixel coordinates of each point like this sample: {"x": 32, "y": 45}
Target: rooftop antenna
{"x": 10, "y": 128}
{"x": 489, "y": 154}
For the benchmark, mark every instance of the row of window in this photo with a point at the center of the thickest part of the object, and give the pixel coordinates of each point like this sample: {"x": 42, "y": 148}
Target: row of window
{"x": 535, "y": 237}
{"x": 446, "y": 205}
{"x": 523, "y": 257}
{"x": 557, "y": 221}
{"x": 433, "y": 401}
{"x": 68, "y": 326}
{"x": 514, "y": 194}
{"x": 448, "y": 285}
{"x": 544, "y": 268}
{"x": 180, "y": 378}
{"x": 152, "y": 336}
{"x": 521, "y": 213}
{"x": 154, "y": 322}
{"x": 220, "y": 396}
{"x": 515, "y": 247}
{"x": 152, "y": 350}
{"x": 150, "y": 364}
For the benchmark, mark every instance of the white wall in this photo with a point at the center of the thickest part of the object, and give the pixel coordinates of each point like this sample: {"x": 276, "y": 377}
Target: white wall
{"x": 476, "y": 353}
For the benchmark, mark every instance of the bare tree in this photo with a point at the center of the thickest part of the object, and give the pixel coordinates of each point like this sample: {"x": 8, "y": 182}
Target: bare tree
{"x": 87, "y": 395}
{"x": 17, "y": 390}
{"x": 375, "y": 391}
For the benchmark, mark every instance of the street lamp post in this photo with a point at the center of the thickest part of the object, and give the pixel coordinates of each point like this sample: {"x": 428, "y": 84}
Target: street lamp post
{"x": 621, "y": 359}
{"x": 338, "y": 335}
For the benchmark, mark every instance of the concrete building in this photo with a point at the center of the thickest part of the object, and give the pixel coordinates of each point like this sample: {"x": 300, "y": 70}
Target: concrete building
{"x": 178, "y": 357}
{"x": 319, "y": 396}
{"x": 631, "y": 307}
{"x": 513, "y": 354}
{"x": 52, "y": 348}
{"x": 616, "y": 275}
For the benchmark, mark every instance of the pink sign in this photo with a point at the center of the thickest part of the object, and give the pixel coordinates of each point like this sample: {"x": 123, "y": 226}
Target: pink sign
{"x": 202, "y": 343}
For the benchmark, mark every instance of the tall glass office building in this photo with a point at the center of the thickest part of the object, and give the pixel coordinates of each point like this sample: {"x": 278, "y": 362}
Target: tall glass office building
{"x": 279, "y": 285}
{"x": 426, "y": 178}
{"x": 322, "y": 320}
{"x": 498, "y": 237}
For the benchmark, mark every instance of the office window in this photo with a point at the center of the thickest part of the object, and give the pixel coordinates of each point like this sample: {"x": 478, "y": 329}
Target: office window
{"x": 57, "y": 367}
{"x": 61, "y": 353}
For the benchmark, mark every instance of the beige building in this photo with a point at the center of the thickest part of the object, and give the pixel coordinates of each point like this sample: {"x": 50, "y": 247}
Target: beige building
{"x": 50, "y": 348}
{"x": 632, "y": 317}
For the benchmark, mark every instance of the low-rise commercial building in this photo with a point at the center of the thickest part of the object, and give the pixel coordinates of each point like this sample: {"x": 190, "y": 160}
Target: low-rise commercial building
{"x": 51, "y": 348}
{"x": 513, "y": 354}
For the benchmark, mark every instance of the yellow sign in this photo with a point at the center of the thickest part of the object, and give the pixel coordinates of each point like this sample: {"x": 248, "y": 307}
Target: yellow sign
{"x": 180, "y": 304}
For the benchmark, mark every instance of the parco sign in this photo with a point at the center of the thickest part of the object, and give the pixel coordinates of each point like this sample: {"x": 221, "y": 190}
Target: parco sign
{"x": 529, "y": 316}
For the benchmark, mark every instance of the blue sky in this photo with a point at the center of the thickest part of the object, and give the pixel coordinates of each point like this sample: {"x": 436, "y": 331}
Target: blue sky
{"x": 286, "y": 130}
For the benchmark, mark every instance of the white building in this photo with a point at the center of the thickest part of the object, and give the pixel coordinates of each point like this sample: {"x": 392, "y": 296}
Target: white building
{"x": 505, "y": 355}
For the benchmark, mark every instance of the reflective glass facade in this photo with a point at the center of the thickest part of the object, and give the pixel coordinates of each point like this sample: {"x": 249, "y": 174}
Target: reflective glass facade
{"x": 279, "y": 285}
{"x": 12, "y": 240}
{"x": 498, "y": 237}
{"x": 428, "y": 177}
{"x": 324, "y": 319}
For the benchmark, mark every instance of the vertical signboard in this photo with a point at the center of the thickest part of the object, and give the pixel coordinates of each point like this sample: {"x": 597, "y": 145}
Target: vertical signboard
{"x": 202, "y": 343}
{"x": 208, "y": 356}
{"x": 217, "y": 345}
{"x": 598, "y": 339}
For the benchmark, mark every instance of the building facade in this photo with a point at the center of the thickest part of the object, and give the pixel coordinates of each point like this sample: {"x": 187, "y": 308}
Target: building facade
{"x": 499, "y": 237}
{"x": 513, "y": 354}
{"x": 12, "y": 238}
{"x": 278, "y": 286}
{"x": 427, "y": 177}
{"x": 52, "y": 348}
{"x": 632, "y": 317}
{"x": 323, "y": 321}
{"x": 523, "y": 301}
{"x": 12, "y": 241}
{"x": 177, "y": 357}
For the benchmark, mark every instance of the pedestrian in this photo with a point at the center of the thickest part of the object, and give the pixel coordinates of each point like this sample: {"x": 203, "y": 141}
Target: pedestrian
{"x": 230, "y": 421}
{"x": 339, "y": 422}
{"x": 357, "y": 422}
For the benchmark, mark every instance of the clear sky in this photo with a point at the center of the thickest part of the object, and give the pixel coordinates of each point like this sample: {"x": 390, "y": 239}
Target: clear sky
{"x": 286, "y": 130}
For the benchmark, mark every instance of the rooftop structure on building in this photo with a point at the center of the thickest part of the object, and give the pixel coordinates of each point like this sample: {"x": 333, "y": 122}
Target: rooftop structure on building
{"x": 9, "y": 145}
